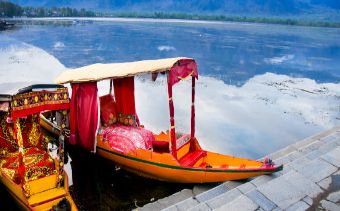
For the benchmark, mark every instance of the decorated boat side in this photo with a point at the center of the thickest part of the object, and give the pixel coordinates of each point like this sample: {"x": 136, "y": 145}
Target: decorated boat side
{"x": 112, "y": 129}
{"x": 34, "y": 179}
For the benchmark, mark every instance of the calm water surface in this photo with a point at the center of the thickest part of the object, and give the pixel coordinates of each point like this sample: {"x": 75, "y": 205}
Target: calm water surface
{"x": 233, "y": 53}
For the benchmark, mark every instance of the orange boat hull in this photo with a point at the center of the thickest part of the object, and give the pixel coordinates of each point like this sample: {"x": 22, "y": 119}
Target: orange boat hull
{"x": 162, "y": 166}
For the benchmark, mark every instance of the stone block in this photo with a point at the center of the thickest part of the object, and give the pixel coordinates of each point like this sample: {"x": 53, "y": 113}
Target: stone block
{"x": 308, "y": 200}
{"x": 303, "y": 184}
{"x": 325, "y": 183}
{"x": 281, "y": 192}
{"x": 223, "y": 198}
{"x": 334, "y": 197}
{"x": 298, "y": 206}
{"x": 333, "y": 157}
{"x": 329, "y": 139}
{"x": 232, "y": 184}
{"x": 327, "y": 147}
{"x": 201, "y": 188}
{"x": 186, "y": 204}
{"x": 171, "y": 208}
{"x": 200, "y": 207}
{"x": 260, "y": 180}
{"x": 212, "y": 193}
{"x": 311, "y": 147}
{"x": 317, "y": 170}
{"x": 152, "y": 207}
{"x": 314, "y": 154}
{"x": 282, "y": 152}
{"x": 329, "y": 206}
{"x": 242, "y": 203}
{"x": 246, "y": 187}
{"x": 261, "y": 200}
{"x": 175, "y": 198}
{"x": 299, "y": 163}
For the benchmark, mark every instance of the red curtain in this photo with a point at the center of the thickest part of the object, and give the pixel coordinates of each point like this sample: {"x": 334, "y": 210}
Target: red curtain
{"x": 125, "y": 95}
{"x": 84, "y": 115}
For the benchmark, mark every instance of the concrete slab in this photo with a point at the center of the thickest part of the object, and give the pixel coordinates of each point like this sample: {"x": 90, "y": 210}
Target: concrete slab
{"x": 242, "y": 203}
{"x": 201, "y": 188}
{"x": 325, "y": 183}
{"x": 282, "y": 152}
{"x": 311, "y": 147}
{"x": 299, "y": 163}
{"x": 298, "y": 206}
{"x": 246, "y": 187}
{"x": 317, "y": 170}
{"x": 186, "y": 204}
{"x": 302, "y": 183}
{"x": 261, "y": 200}
{"x": 212, "y": 193}
{"x": 171, "y": 208}
{"x": 223, "y": 198}
{"x": 333, "y": 157}
{"x": 152, "y": 207}
{"x": 175, "y": 198}
{"x": 281, "y": 192}
{"x": 330, "y": 138}
{"x": 277, "y": 209}
{"x": 304, "y": 142}
{"x": 334, "y": 197}
{"x": 329, "y": 206}
{"x": 200, "y": 207}
{"x": 232, "y": 184}
{"x": 308, "y": 200}
{"x": 258, "y": 181}
{"x": 314, "y": 154}
{"x": 328, "y": 147}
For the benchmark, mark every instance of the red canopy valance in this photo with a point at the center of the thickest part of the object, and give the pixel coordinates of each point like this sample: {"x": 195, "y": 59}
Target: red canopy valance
{"x": 37, "y": 101}
{"x": 182, "y": 69}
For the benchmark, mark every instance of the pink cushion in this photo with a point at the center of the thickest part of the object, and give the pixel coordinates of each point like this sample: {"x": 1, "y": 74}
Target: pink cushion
{"x": 125, "y": 139}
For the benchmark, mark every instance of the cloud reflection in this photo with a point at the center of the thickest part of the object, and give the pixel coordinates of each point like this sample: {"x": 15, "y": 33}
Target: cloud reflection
{"x": 265, "y": 114}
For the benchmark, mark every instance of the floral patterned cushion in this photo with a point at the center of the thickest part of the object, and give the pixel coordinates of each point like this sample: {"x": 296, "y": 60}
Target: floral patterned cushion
{"x": 108, "y": 112}
{"x": 8, "y": 142}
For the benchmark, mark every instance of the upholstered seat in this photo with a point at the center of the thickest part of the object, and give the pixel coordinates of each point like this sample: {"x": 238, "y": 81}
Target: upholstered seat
{"x": 37, "y": 164}
{"x": 125, "y": 139}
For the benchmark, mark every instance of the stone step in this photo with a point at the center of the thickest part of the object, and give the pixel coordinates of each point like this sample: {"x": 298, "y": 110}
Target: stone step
{"x": 308, "y": 169}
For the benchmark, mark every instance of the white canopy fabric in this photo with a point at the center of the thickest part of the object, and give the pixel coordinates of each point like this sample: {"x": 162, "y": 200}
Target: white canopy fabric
{"x": 97, "y": 72}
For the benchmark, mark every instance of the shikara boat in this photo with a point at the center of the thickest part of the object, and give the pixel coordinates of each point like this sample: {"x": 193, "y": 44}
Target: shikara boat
{"x": 34, "y": 179}
{"x": 111, "y": 127}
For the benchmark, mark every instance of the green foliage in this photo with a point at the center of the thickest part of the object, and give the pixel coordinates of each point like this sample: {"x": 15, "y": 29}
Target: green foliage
{"x": 8, "y": 9}
{"x": 268, "y": 20}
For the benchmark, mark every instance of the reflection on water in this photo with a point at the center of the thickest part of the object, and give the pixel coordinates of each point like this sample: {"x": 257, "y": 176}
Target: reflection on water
{"x": 262, "y": 113}
{"x": 231, "y": 52}
{"x": 99, "y": 185}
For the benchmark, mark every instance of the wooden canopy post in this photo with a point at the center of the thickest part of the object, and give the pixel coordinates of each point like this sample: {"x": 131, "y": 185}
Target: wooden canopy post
{"x": 172, "y": 120}
{"x": 193, "y": 109}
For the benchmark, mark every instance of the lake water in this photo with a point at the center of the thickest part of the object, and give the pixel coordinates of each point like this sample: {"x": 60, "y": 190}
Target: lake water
{"x": 261, "y": 87}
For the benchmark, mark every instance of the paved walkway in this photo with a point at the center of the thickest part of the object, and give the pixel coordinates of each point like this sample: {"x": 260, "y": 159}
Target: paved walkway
{"x": 310, "y": 180}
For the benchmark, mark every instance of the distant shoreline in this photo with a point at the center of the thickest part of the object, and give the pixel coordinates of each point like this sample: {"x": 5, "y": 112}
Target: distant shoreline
{"x": 9, "y": 9}
{"x": 154, "y": 20}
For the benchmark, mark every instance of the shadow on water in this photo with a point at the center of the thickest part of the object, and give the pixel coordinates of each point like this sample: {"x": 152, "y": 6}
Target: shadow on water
{"x": 98, "y": 185}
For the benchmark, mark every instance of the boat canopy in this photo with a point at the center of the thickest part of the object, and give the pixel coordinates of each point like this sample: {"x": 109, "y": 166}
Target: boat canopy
{"x": 37, "y": 98}
{"x": 98, "y": 72}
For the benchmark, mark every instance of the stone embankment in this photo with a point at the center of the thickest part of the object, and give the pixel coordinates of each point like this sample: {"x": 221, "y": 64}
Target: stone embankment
{"x": 310, "y": 180}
